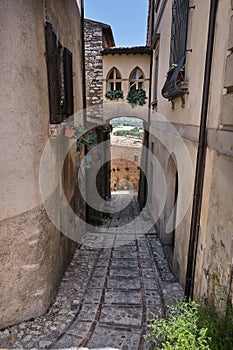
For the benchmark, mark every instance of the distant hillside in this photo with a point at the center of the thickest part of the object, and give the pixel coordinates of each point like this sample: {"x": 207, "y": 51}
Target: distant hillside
{"x": 128, "y": 121}
{"x": 136, "y": 132}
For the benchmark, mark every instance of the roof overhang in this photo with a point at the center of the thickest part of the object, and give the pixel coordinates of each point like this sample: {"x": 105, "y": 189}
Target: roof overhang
{"x": 143, "y": 50}
{"x": 108, "y": 38}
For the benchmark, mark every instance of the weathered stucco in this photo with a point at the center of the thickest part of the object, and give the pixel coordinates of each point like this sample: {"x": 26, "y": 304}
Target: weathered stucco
{"x": 216, "y": 241}
{"x": 125, "y": 63}
{"x": 214, "y": 256}
{"x": 33, "y": 252}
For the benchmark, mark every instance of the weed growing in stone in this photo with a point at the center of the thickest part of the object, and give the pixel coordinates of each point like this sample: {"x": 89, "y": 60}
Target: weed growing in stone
{"x": 191, "y": 325}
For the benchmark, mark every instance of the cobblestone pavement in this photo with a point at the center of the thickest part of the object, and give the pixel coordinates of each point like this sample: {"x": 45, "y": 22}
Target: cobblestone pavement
{"x": 107, "y": 295}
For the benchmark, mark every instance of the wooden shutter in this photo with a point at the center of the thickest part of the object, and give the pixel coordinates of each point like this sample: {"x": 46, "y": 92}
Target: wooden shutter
{"x": 53, "y": 70}
{"x": 68, "y": 81}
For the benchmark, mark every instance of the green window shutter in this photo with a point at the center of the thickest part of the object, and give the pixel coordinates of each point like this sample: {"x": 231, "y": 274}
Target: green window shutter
{"x": 53, "y": 71}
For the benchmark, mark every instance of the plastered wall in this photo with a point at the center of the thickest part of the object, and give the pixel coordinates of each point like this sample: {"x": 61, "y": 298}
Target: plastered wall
{"x": 33, "y": 253}
{"x": 214, "y": 256}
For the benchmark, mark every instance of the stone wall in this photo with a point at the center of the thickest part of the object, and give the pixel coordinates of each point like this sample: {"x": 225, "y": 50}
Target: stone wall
{"x": 125, "y": 167}
{"x": 93, "y": 62}
{"x": 94, "y": 42}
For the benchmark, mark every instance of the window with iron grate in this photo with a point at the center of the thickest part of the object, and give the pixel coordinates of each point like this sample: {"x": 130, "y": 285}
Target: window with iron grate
{"x": 175, "y": 83}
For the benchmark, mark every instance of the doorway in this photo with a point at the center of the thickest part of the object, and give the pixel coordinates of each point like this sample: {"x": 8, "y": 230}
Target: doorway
{"x": 169, "y": 234}
{"x": 126, "y": 152}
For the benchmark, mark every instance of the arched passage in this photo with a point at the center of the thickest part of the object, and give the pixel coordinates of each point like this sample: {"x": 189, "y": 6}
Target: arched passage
{"x": 123, "y": 174}
{"x": 168, "y": 238}
{"x": 126, "y": 153}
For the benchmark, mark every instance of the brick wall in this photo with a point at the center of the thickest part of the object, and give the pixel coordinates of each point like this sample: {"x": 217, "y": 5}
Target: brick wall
{"x": 125, "y": 169}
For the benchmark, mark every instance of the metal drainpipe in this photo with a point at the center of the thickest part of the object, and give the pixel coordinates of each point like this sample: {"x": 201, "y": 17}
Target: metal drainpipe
{"x": 201, "y": 158}
{"x": 151, "y": 61}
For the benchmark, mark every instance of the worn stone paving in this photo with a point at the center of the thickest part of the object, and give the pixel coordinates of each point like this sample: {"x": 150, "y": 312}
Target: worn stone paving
{"x": 109, "y": 292}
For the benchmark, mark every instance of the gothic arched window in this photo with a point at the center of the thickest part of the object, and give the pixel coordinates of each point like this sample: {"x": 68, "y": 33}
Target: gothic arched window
{"x": 114, "y": 80}
{"x": 136, "y": 79}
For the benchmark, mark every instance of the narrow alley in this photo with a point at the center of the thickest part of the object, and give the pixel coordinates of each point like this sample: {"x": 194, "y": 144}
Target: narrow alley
{"x": 107, "y": 295}
{"x": 116, "y": 174}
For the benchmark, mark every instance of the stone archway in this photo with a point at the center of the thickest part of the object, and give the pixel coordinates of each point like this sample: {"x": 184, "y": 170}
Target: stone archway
{"x": 126, "y": 152}
{"x": 168, "y": 238}
{"x": 99, "y": 118}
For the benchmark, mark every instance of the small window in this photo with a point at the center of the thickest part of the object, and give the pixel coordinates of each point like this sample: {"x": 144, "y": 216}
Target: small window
{"x": 60, "y": 77}
{"x": 180, "y": 14}
{"x": 175, "y": 82}
{"x": 53, "y": 70}
{"x": 136, "y": 79}
{"x": 114, "y": 80}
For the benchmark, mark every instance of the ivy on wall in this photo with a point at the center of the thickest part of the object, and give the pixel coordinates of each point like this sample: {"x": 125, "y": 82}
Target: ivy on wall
{"x": 84, "y": 138}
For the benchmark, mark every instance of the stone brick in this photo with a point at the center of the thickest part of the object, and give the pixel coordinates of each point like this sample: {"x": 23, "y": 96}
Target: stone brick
{"x": 229, "y": 72}
{"x": 125, "y": 173}
{"x": 123, "y": 313}
{"x": 227, "y": 107}
{"x": 230, "y": 43}
{"x": 94, "y": 66}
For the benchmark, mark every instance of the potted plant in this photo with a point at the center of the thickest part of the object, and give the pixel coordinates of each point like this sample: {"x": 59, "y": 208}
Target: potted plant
{"x": 114, "y": 94}
{"x": 137, "y": 97}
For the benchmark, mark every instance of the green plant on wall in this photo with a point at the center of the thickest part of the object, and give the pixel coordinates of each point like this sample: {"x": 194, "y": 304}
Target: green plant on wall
{"x": 114, "y": 94}
{"x": 136, "y": 97}
{"x": 83, "y": 139}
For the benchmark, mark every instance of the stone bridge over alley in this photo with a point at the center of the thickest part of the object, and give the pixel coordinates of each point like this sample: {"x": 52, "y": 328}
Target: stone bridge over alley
{"x": 107, "y": 296}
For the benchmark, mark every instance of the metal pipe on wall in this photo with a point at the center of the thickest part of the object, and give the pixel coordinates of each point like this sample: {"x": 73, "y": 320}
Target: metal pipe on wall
{"x": 201, "y": 158}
